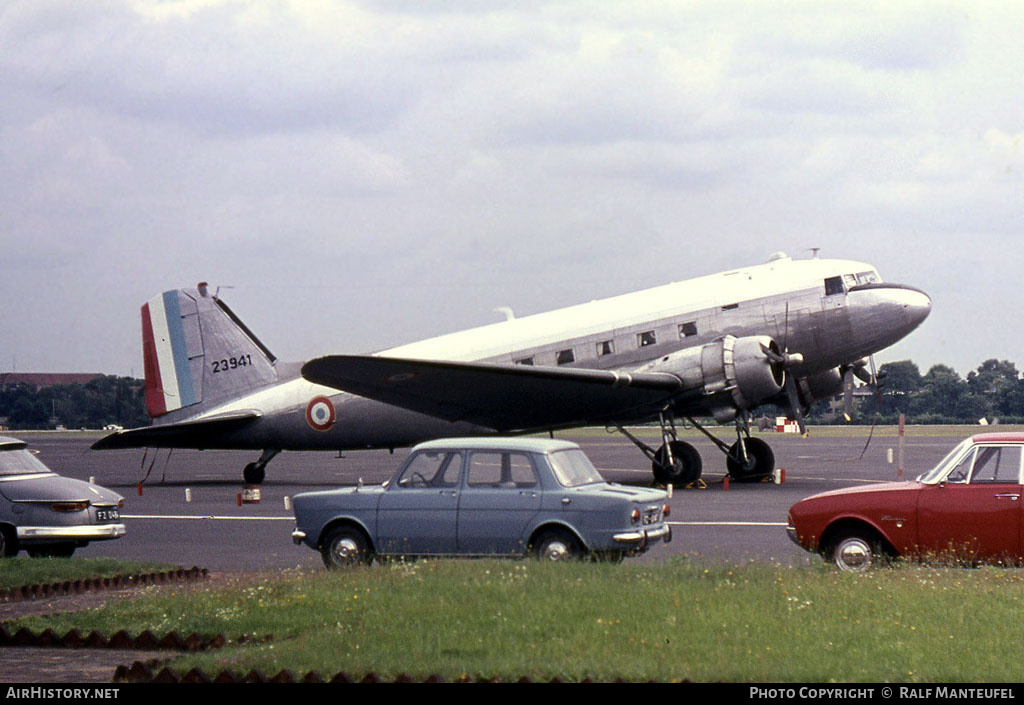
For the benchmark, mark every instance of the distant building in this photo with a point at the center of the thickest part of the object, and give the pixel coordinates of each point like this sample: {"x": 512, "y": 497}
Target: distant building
{"x": 38, "y": 380}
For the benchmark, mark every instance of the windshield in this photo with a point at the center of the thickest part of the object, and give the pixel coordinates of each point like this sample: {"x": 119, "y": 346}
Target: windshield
{"x": 936, "y": 473}
{"x": 573, "y": 468}
{"x": 20, "y": 462}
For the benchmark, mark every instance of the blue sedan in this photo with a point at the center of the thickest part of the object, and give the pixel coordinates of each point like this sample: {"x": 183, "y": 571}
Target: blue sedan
{"x": 484, "y": 497}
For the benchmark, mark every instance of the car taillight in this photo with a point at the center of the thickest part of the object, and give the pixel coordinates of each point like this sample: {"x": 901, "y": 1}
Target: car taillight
{"x": 666, "y": 510}
{"x": 635, "y": 515}
{"x": 69, "y": 506}
{"x": 120, "y": 503}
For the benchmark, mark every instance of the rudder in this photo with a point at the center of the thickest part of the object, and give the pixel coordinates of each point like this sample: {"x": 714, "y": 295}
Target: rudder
{"x": 197, "y": 352}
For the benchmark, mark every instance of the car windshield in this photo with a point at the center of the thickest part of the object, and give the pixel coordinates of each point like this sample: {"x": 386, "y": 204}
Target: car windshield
{"x": 20, "y": 462}
{"x": 573, "y": 468}
{"x": 939, "y": 471}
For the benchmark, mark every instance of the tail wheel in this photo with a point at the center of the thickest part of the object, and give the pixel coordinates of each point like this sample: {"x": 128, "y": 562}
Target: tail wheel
{"x": 557, "y": 545}
{"x": 345, "y": 547}
{"x": 253, "y": 474}
{"x": 759, "y": 463}
{"x": 684, "y": 469}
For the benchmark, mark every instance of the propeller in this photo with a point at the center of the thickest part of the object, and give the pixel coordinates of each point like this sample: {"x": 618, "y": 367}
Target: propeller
{"x": 792, "y": 392}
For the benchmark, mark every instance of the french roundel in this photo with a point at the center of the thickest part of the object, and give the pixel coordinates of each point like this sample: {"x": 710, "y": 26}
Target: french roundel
{"x": 320, "y": 413}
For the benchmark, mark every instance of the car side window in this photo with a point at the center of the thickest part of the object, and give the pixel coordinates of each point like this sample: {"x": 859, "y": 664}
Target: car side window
{"x": 497, "y": 469}
{"x": 962, "y": 470}
{"x": 997, "y": 464}
{"x": 432, "y": 469}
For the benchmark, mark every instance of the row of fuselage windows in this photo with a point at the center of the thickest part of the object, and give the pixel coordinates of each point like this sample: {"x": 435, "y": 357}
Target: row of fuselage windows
{"x": 607, "y": 347}
{"x": 833, "y": 285}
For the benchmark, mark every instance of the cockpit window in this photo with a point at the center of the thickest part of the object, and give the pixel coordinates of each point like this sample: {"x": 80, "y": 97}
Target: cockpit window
{"x": 833, "y": 286}
{"x": 868, "y": 277}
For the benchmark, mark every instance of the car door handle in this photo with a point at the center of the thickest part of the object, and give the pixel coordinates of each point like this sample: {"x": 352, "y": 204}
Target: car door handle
{"x": 566, "y": 500}
{"x": 1012, "y": 495}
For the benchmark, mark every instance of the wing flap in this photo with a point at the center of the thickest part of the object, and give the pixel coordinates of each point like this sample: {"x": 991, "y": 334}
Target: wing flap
{"x": 185, "y": 434}
{"x": 502, "y": 397}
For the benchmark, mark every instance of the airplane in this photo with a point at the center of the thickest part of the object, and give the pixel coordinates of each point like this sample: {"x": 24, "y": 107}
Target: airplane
{"x": 786, "y": 332}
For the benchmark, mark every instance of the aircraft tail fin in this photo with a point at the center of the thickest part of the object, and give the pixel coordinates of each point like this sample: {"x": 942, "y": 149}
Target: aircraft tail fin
{"x": 196, "y": 352}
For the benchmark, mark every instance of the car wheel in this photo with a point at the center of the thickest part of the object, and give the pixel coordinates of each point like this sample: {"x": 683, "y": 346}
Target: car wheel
{"x": 557, "y": 545}
{"x": 855, "y": 553}
{"x": 345, "y": 547}
{"x": 8, "y": 544}
{"x": 57, "y": 550}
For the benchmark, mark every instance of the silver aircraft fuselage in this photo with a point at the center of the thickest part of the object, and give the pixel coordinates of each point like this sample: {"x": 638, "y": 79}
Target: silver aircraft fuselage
{"x": 831, "y": 312}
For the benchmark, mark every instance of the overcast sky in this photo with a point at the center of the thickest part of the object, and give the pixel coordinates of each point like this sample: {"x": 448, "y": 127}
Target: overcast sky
{"x": 365, "y": 174}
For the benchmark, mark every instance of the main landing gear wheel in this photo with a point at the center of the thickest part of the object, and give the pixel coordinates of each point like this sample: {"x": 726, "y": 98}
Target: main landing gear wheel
{"x": 685, "y": 468}
{"x": 759, "y": 464}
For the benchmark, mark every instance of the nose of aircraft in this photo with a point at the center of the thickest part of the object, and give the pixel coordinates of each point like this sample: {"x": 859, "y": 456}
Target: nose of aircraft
{"x": 885, "y": 313}
{"x": 914, "y": 304}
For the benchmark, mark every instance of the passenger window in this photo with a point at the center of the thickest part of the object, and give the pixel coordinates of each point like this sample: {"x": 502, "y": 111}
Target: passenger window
{"x": 605, "y": 347}
{"x": 997, "y": 464}
{"x": 688, "y": 329}
{"x": 646, "y": 338}
{"x": 524, "y": 361}
{"x": 508, "y": 470}
{"x": 833, "y": 286}
{"x": 432, "y": 469}
{"x": 565, "y": 357}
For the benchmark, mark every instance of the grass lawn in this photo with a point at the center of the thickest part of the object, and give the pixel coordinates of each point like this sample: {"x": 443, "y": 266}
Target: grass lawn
{"x": 665, "y": 622}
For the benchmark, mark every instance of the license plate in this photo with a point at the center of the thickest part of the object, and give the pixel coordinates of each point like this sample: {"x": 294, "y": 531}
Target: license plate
{"x": 107, "y": 515}
{"x": 652, "y": 516}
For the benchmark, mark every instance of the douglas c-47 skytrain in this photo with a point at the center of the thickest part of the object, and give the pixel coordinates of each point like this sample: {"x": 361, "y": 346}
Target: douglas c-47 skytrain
{"x": 786, "y": 332}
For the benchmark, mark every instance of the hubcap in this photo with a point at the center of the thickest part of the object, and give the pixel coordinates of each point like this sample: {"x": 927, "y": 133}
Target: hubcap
{"x": 345, "y": 550}
{"x": 556, "y": 551}
{"x": 854, "y": 554}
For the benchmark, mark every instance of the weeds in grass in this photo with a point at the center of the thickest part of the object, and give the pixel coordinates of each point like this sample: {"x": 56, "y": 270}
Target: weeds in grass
{"x": 666, "y": 622}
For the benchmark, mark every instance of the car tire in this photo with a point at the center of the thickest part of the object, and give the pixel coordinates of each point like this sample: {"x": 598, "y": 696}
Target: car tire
{"x": 855, "y": 552}
{"x": 557, "y": 545}
{"x": 57, "y": 550}
{"x": 8, "y": 542}
{"x": 345, "y": 547}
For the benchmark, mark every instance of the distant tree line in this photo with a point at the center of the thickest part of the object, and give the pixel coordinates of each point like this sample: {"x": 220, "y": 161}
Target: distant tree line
{"x": 103, "y": 401}
{"x": 995, "y": 391}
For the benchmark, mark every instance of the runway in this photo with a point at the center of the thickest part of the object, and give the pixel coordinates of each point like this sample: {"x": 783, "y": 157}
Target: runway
{"x": 188, "y": 511}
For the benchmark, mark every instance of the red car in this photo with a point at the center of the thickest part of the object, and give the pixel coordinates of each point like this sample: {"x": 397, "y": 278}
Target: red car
{"x": 968, "y": 507}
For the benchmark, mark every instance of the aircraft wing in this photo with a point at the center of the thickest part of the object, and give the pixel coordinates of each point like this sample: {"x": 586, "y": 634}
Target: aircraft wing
{"x": 502, "y": 397}
{"x": 185, "y": 434}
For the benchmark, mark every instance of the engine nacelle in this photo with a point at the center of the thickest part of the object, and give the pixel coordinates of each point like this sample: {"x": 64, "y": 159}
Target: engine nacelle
{"x": 823, "y": 385}
{"x": 736, "y": 373}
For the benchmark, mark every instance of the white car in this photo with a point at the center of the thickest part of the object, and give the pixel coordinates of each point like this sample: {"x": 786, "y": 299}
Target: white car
{"x": 49, "y": 515}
